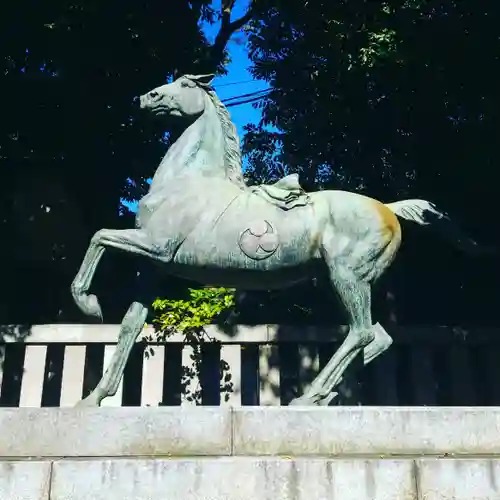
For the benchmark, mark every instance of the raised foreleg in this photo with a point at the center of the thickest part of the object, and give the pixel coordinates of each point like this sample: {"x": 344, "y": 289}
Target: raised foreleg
{"x": 134, "y": 241}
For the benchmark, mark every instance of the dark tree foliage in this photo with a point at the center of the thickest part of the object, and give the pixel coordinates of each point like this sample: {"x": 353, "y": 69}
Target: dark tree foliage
{"x": 394, "y": 99}
{"x": 70, "y": 144}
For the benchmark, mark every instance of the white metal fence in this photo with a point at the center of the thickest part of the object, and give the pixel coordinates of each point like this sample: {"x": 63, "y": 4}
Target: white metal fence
{"x": 54, "y": 365}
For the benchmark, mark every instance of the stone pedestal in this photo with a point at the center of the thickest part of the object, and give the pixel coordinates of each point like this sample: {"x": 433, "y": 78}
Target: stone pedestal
{"x": 250, "y": 453}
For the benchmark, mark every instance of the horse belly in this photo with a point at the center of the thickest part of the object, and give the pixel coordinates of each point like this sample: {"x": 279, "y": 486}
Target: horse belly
{"x": 253, "y": 235}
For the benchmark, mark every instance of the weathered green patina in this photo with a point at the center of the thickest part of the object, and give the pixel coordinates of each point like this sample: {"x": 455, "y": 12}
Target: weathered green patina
{"x": 200, "y": 221}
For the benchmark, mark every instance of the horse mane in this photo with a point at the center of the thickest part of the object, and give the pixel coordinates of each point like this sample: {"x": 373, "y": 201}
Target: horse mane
{"x": 232, "y": 152}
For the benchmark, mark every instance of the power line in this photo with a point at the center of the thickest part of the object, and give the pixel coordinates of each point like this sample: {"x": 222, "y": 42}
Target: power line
{"x": 236, "y": 83}
{"x": 260, "y": 93}
{"x": 246, "y": 101}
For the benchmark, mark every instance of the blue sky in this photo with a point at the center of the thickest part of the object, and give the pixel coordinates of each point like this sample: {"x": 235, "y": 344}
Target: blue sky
{"x": 238, "y": 80}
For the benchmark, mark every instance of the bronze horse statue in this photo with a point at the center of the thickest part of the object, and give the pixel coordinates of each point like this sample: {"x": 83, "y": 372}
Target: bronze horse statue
{"x": 200, "y": 221}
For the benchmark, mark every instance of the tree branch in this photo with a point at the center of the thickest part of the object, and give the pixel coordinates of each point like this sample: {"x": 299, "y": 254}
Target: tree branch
{"x": 214, "y": 57}
{"x": 228, "y": 28}
{"x": 226, "y": 9}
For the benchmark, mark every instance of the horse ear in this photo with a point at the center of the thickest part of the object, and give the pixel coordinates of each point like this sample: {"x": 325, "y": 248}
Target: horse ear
{"x": 204, "y": 79}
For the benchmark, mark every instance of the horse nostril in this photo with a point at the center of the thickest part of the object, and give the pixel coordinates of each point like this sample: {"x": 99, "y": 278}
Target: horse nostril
{"x": 153, "y": 95}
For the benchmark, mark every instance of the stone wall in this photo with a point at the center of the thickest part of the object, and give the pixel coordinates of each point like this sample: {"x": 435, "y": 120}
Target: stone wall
{"x": 250, "y": 453}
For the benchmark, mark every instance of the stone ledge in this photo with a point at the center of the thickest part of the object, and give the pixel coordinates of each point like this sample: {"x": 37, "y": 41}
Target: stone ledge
{"x": 233, "y": 478}
{"x": 388, "y": 431}
{"x": 114, "y": 432}
{"x": 246, "y": 478}
{"x": 208, "y": 431}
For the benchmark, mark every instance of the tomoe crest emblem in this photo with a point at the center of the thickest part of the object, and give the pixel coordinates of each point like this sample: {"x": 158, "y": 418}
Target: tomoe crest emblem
{"x": 259, "y": 241}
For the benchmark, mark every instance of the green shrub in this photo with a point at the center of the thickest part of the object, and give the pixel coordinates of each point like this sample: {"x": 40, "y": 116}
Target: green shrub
{"x": 189, "y": 317}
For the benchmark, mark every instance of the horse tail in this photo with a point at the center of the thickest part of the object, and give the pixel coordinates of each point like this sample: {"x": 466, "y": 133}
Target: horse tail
{"x": 425, "y": 213}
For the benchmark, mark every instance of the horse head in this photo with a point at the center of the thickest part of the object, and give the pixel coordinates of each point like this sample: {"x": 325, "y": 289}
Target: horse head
{"x": 184, "y": 98}
{"x": 188, "y": 100}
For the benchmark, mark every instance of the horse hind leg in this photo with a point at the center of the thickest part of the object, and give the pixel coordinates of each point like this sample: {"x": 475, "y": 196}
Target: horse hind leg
{"x": 355, "y": 296}
{"x": 380, "y": 343}
{"x": 382, "y": 340}
{"x": 351, "y": 275}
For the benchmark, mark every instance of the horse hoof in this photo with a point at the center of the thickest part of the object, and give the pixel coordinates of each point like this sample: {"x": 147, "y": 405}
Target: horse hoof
{"x": 89, "y": 305}
{"x": 87, "y": 403}
{"x": 94, "y": 308}
{"x": 313, "y": 401}
{"x": 303, "y": 401}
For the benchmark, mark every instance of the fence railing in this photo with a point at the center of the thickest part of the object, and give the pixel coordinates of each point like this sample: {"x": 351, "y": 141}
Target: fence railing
{"x": 55, "y": 365}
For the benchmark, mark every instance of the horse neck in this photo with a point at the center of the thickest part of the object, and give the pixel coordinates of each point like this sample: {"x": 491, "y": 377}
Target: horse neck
{"x": 199, "y": 151}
